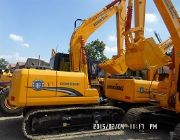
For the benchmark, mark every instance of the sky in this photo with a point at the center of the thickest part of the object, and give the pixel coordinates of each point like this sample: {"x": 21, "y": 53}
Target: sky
{"x": 29, "y": 28}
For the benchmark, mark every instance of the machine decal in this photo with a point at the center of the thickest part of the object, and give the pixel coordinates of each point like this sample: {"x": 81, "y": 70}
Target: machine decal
{"x": 37, "y": 84}
{"x": 69, "y": 83}
{"x": 146, "y": 90}
{"x": 141, "y": 90}
{"x": 170, "y": 8}
{"x": 68, "y": 91}
{"x": 116, "y": 87}
{"x": 100, "y": 20}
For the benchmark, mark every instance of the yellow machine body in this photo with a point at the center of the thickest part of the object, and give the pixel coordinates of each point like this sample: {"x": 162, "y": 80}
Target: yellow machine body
{"x": 162, "y": 96}
{"x": 36, "y": 88}
{"x": 130, "y": 90}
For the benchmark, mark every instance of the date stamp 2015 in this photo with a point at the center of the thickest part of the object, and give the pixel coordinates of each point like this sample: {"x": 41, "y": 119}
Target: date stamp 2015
{"x": 101, "y": 126}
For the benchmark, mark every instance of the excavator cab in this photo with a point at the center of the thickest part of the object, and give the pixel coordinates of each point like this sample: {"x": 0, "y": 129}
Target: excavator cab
{"x": 60, "y": 62}
{"x": 93, "y": 69}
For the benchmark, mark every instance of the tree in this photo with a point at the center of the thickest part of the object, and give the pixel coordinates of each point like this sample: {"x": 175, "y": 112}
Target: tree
{"x": 95, "y": 50}
{"x": 3, "y": 63}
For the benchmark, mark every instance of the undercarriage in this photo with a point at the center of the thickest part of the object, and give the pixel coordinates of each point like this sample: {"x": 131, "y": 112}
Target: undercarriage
{"x": 39, "y": 123}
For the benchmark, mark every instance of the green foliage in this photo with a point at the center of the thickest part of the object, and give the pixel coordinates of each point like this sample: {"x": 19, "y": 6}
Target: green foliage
{"x": 3, "y": 63}
{"x": 95, "y": 50}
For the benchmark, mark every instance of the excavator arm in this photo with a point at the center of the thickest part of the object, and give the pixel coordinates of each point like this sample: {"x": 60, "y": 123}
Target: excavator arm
{"x": 81, "y": 34}
{"x": 172, "y": 22}
{"x": 117, "y": 64}
{"x": 142, "y": 53}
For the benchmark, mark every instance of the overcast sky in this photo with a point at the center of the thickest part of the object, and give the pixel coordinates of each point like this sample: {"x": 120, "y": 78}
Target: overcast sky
{"x": 29, "y": 28}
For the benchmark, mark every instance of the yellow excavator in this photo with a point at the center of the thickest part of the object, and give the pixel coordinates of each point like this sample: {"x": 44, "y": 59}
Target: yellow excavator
{"x": 5, "y": 76}
{"x": 59, "y": 101}
{"x": 5, "y": 108}
{"x": 167, "y": 96}
{"x": 136, "y": 57}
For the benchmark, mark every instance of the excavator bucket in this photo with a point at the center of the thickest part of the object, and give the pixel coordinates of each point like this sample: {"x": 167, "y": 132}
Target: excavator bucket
{"x": 116, "y": 65}
{"x": 145, "y": 54}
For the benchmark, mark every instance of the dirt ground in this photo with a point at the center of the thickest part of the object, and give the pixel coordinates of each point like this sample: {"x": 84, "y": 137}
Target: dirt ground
{"x": 10, "y": 129}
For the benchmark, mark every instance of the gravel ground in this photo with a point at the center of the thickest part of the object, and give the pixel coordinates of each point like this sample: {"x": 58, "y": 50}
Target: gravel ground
{"x": 10, "y": 129}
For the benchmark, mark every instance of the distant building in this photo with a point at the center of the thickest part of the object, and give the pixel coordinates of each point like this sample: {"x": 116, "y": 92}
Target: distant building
{"x": 20, "y": 65}
{"x": 31, "y": 63}
{"x": 12, "y": 67}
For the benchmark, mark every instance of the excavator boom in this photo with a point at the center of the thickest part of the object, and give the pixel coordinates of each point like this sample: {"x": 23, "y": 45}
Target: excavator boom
{"x": 172, "y": 21}
{"x": 82, "y": 33}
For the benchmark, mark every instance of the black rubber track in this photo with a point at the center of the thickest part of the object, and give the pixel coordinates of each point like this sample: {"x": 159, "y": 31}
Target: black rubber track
{"x": 177, "y": 132}
{"x": 27, "y": 127}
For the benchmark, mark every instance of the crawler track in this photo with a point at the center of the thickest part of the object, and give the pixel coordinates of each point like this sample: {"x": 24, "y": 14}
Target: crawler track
{"x": 177, "y": 132}
{"x": 47, "y": 123}
{"x": 140, "y": 115}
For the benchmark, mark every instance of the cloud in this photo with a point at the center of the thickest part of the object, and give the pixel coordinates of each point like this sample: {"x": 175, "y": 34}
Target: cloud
{"x": 110, "y": 51}
{"x": 19, "y": 39}
{"x": 25, "y": 45}
{"x": 16, "y": 38}
{"x": 151, "y": 18}
{"x": 16, "y": 57}
{"x": 13, "y": 58}
{"x": 112, "y": 38}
